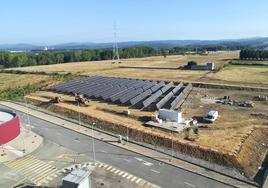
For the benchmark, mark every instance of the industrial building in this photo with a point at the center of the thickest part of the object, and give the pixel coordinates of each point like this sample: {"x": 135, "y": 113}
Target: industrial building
{"x": 142, "y": 94}
{"x": 207, "y": 67}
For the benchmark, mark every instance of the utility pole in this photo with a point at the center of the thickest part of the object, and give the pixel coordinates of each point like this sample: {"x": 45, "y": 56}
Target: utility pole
{"x": 116, "y": 58}
{"x": 93, "y": 144}
{"x": 172, "y": 145}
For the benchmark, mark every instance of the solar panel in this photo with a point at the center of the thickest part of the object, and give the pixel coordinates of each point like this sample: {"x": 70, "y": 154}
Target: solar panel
{"x": 103, "y": 90}
{"x": 156, "y": 87}
{"x": 167, "y": 87}
{"x": 126, "y": 90}
{"x": 116, "y": 97}
{"x": 140, "y": 97}
{"x": 152, "y": 98}
{"x": 177, "y": 88}
{"x": 130, "y": 95}
{"x": 147, "y": 86}
{"x": 187, "y": 89}
{"x": 177, "y": 101}
{"x": 163, "y": 101}
{"x": 113, "y": 92}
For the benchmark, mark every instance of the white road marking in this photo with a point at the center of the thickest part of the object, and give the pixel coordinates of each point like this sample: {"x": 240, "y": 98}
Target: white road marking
{"x": 138, "y": 180}
{"x": 189, "y": 184}
{"x": 125, "y": 175}
{"x": 122, "y": 172}
{"x": 147, "y": 163}
{"x": 126, "y": 160}
{"x": 139, "y": 159}
{"x": 144, "y": 162}
{"x": 155, "y": 171}
{"x": 130, "y": 176}
{"x": 112, "y": 169}
{"x": 116, "y": 171}
{"x": 109, "y": 168}
{"x": 103, "y": 151}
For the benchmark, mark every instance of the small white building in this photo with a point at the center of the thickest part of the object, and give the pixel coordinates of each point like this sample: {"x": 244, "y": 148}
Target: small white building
{"x": 77, "y": 179}
{"x": 170, "y": 115}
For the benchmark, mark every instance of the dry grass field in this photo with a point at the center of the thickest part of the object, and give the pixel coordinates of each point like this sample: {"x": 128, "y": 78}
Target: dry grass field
{"x": 8, "y": 81}
{"x": 242, "y": 75}
{"x": 160, "y": 68}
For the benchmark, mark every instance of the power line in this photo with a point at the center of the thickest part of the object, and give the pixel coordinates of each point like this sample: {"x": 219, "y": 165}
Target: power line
{"x": 116, "y": 58}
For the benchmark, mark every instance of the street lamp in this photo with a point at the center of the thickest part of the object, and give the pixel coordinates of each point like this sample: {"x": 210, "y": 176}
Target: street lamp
{"x": 93, "y": 144}
{"x": 172, "y": 144}
{"x": 27, "y": 113}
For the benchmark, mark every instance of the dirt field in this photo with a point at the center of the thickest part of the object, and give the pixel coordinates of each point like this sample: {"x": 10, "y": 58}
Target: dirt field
{"x": 160, "y": 68}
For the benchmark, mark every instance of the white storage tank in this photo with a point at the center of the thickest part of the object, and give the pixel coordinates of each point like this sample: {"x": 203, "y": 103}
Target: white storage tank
{"x": 171, "y": 115}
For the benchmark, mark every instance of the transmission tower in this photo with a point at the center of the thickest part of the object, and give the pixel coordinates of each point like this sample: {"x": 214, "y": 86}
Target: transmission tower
{"x": 116, "y": 58}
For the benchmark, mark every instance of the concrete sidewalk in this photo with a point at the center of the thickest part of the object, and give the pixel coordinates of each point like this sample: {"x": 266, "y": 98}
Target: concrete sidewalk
{"x": 25, "y": 143}
{"x": 129, "y": 146}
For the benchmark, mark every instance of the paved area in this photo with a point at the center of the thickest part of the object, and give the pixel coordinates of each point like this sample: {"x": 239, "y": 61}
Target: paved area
{"x": 25, "y": 143}
{"x": 50, "y": 163}
{"x": 157, "y": 171}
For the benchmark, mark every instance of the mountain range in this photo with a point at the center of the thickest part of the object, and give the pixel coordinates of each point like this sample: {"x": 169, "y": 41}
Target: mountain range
{"x": 258, "y": 42}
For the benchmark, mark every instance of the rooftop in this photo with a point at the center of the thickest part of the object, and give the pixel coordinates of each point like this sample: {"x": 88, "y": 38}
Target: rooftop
{"x": 5, "y": 116}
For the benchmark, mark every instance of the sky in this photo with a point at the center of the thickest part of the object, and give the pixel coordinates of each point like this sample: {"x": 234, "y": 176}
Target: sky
{"x": 63, "y": 21}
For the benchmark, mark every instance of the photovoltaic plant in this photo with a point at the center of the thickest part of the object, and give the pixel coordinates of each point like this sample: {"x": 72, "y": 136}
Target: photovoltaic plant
{"x": 124, "y": 91}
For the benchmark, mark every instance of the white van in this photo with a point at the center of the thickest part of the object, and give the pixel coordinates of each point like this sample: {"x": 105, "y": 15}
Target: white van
{"x": 211, "y": 116}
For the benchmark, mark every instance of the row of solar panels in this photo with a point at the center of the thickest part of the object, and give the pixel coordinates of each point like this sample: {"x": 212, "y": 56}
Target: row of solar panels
{"x": 122, "y": 90}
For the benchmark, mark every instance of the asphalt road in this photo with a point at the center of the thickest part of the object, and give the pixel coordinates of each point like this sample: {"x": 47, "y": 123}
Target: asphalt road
{"x": 149, "y": 169}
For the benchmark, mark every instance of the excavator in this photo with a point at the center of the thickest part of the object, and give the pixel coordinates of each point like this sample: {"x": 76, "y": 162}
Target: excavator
{"x": 80, "y": 99}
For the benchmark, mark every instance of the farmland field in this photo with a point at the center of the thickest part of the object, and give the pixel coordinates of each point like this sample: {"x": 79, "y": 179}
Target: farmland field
{"x": 160, "y": 68}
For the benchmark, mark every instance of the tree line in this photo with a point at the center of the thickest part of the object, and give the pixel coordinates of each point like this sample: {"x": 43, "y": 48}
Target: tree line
{"x": 251, "y": 54}
{"x": 9, "y": 59}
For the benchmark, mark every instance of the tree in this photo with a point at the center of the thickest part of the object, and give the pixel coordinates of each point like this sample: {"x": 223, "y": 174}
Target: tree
{"x": 59, "y": 58}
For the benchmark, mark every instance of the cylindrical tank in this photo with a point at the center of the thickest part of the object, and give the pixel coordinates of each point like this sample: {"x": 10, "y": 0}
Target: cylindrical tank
{"x": 9, "y": 126}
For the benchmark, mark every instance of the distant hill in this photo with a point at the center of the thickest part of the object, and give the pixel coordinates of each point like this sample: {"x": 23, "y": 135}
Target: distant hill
{"x": 261, "y": 42}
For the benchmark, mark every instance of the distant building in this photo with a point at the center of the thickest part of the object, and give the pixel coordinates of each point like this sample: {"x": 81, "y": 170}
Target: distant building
{"x": 207, "y": 67}
{"x": 265, "y": 49}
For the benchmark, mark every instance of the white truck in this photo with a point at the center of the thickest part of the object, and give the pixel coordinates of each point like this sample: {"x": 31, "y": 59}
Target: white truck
{"x": 211, "y": 116}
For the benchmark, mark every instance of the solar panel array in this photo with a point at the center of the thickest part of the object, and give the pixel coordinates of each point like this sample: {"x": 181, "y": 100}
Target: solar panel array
{"x": 177, "y": 102}
{"x": 139, "y": 93}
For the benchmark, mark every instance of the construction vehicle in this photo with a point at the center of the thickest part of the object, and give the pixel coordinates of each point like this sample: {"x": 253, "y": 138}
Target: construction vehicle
{"x": 57, "y": 99}
{"x": 80, "y": 99}
{"x": 227, "y": 100}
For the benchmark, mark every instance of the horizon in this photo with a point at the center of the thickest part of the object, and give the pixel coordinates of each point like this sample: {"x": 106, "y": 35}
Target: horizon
{"x": 110, "y": 42}
{"x": 51, "y": 23}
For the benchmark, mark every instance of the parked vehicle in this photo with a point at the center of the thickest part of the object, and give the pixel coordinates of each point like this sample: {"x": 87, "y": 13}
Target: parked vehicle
{"x": 211, "y": 116}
